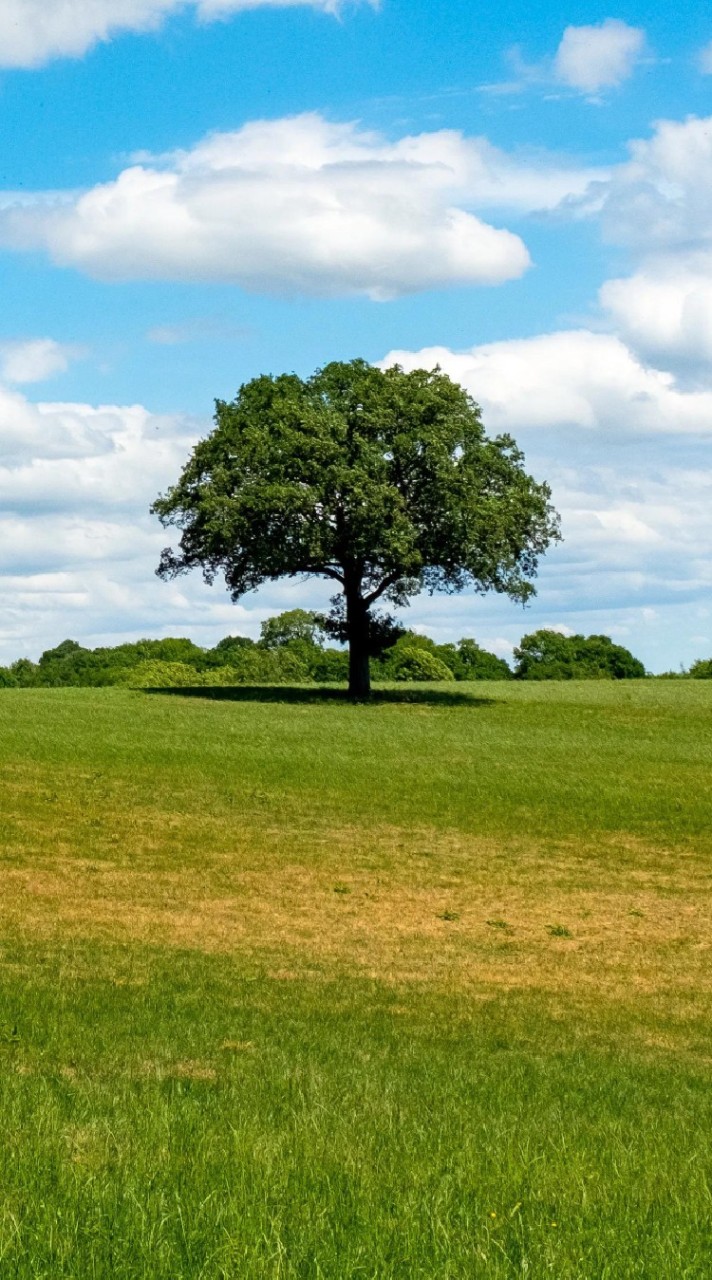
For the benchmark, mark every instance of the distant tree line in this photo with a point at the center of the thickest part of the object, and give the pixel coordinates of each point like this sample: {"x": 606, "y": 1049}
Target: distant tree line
{"x": 295, "y": 648}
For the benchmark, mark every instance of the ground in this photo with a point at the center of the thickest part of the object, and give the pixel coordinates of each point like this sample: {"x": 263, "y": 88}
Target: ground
{"x": 293, "y": 988}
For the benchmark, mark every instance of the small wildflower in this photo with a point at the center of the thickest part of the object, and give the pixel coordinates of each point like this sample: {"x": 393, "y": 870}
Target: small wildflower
{"x": 493, "y": 1214}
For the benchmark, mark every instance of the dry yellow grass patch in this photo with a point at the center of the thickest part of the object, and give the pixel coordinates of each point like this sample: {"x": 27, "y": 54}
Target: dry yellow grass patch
{"x": 415, "y": 908}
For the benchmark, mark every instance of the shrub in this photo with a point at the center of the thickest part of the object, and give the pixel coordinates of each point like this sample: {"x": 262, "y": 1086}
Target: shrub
{"x": 154, "y": 674}
{"x": 416, "y": 663}
{"x": 330, "y": 666}
{"x": 464, "y": 660}
{"x": 702, "y": 669}
{"x": 267, "y": 666}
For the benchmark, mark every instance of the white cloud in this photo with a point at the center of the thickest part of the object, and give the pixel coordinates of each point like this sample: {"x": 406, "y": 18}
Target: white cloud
{"x": 637, "y": 533}
{"x": 572, "y": 379}
{"x": 304, "y": 205}
{"x": 32, "y": 32}
{"x": 658, "y": 205}
{"x": 35, "y": 360}
{"x": 78, "y": 548}
{"x": 588, "y": 60}
{"x": 635, "y": 515}
{"x": 661, "y": 198}
{"x": 665, "y": 312}
{"x": 598, "y": 57}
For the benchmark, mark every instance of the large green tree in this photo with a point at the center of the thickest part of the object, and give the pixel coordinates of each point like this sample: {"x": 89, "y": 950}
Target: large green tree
{"x": 383, "y": 482}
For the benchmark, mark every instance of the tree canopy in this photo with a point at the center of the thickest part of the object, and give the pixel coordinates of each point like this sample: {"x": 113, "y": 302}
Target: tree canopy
{"x": 380, "y": 481}
{"x": 548, "y": 655}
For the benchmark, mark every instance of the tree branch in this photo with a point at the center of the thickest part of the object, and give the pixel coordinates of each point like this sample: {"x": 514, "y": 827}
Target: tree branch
{"x": 390, "y": 581}
{"x": 324, "y": 570}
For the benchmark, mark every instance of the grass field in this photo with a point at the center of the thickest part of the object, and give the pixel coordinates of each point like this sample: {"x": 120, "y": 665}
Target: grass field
{"x": 293, "y": 988}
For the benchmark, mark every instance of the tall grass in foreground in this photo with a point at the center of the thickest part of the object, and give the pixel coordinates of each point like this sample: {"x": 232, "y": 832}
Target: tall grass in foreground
{"x": 165, "y": 1117}
{"x": 299, "y": 989}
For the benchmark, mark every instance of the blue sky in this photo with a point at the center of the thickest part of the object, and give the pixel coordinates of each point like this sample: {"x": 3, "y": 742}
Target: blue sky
{"x": 196, "y": 191}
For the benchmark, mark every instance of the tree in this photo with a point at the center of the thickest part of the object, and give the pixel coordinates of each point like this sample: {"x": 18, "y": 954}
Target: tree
{"x": 299, "y": 626}
{"x": 382, "y": 482}
{"x": 548, "y": 655}
{"x": 470, "y": 662}
{"x": 383, "y": 631}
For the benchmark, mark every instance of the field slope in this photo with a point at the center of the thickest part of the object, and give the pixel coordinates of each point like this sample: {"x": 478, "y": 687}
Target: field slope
{"x": 292, "y": 988}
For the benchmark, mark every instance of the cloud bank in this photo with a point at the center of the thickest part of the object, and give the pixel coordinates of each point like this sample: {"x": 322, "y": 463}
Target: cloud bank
{"x": 78, "y": 548}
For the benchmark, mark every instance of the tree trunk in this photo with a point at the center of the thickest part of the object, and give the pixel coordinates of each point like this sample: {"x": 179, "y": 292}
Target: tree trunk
{"x": 358, "y": 621}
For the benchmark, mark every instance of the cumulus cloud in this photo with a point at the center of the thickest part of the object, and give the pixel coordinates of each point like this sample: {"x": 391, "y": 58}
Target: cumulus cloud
{"x": 571, "y": 379}
{"x": 665, "y": 312}
{"x": 658, "y": 206}
{"x": 588, "y": 60}
{"x": 598, "y": 57}
{"x": 304, "y": 205}
{"x": 660, "y": 199}
{"x": 32, "y": 32}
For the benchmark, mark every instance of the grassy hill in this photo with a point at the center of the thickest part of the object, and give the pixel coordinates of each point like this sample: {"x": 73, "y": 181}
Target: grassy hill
{"x": 293, "y": 988}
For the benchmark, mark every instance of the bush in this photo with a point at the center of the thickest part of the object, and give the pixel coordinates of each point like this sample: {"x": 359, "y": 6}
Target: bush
{"x": 330, "y": 666}
{"x": 702, "y": 669}
{"x": 464, "y": 660}
{"x": 267, "y": 666}
{"x": 417, "y": 663}
{"x": 249, "y": 666}
{"x": 161, "y": 675}
{"x": 226, "y": 651}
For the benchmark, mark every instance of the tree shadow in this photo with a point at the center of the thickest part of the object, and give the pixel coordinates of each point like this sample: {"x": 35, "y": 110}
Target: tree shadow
{"x": 315, "y": 694}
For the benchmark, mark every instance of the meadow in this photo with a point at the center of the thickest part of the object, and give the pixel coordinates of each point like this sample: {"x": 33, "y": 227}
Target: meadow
{"x": 293, "y": 988}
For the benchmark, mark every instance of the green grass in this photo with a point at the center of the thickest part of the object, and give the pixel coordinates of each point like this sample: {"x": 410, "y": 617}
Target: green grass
{"x": 292, "y": 988}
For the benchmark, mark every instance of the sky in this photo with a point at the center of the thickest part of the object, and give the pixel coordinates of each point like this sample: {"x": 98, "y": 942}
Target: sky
{"x": 195, "y": 192}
